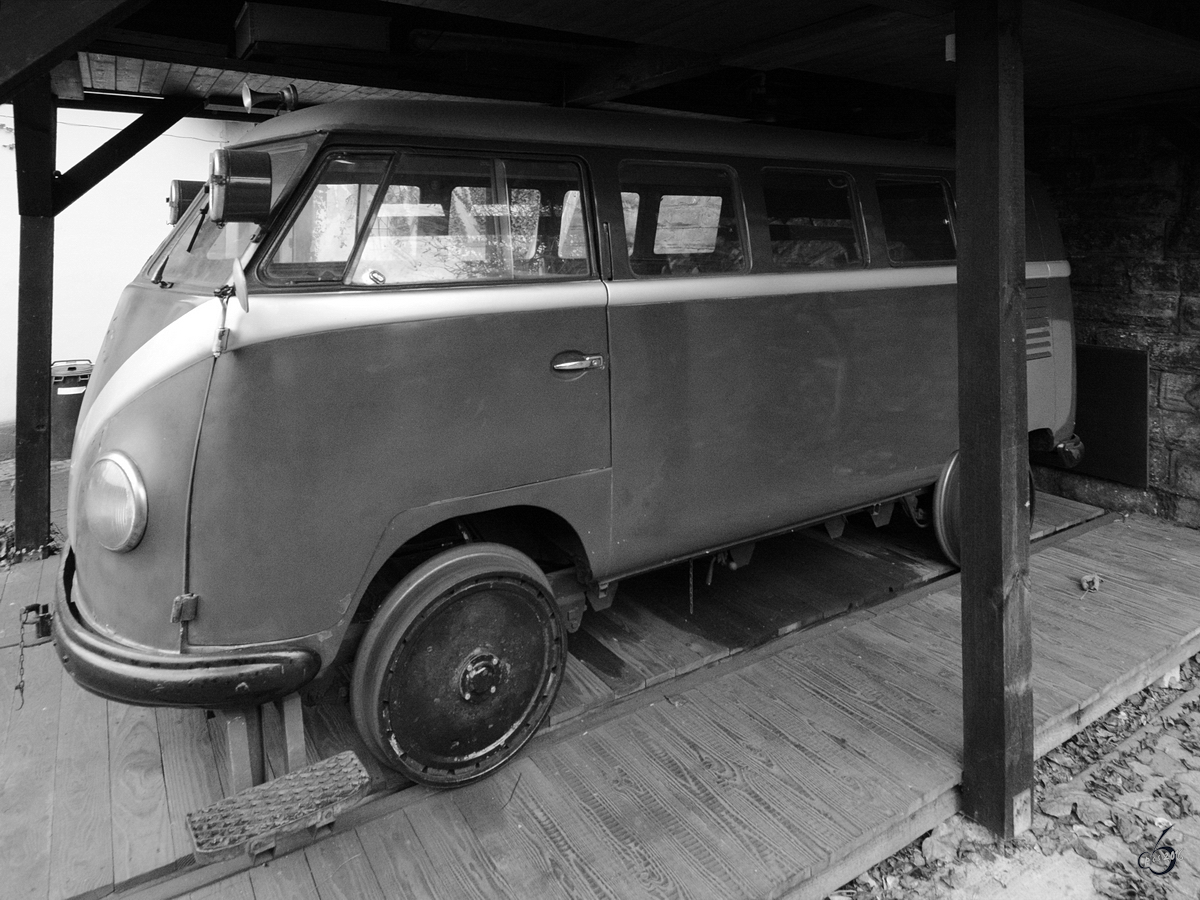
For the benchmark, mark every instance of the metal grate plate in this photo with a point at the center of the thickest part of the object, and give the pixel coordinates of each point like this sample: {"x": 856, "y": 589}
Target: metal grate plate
{"x": 257, "y": 819}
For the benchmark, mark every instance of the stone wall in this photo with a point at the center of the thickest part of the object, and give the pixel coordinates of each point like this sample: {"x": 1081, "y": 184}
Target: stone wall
{"x": 1129, "y": 203}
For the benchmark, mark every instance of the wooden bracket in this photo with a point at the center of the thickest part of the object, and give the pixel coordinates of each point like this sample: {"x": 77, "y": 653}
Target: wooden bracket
{"x": 835, "y": 526}
{"x": 251, "y": 747}
{"x": 119, "y": 149}
{"x": 291, "y": 713}
{"x": 243, "y": 742}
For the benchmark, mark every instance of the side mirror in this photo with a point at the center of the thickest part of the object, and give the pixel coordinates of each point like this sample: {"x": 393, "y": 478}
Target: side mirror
{"x": 239, "y": 186}
{"x": 181, "y": 197}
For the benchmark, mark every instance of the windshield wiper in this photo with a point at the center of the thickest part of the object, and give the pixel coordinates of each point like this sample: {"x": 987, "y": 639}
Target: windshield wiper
{"x": 196, "y": 231}
{"x": 162, "y": 267}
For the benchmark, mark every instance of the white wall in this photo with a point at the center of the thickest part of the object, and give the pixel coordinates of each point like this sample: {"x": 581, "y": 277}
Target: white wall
{"x": 103, "y": 238}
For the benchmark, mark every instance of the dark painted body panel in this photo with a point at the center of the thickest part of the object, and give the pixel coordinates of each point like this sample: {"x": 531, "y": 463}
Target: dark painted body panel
{"x": 454, "y": 122}
{"x": 736, "y": 417}
{"x": 313, "y": 444}
{"x": 583, "y": 501}
{"x": 159, "y": 677}
{"x": 1060, "y": 380}
{"x": 129, "y": 595}
{"x": 142, "y": 312}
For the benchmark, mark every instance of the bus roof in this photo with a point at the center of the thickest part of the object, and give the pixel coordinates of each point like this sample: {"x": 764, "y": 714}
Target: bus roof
{"x": 594, "y": 128}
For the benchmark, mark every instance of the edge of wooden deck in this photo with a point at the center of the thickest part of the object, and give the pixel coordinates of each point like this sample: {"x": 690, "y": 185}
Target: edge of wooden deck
{"x": 182, "y": 876}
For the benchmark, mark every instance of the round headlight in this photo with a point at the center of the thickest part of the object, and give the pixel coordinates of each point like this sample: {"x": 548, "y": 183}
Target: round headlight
{"x": 114, "y": 502}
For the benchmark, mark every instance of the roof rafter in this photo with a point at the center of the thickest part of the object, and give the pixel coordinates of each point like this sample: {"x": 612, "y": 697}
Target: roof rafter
{"x": 640, "y": 69}
{"x": 37, "y": 36}
{"x": 331, "y": 65}
{"x": 792, "y": 49}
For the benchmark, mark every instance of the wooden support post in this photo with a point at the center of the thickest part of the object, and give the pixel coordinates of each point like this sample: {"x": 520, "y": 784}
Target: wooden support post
{"x": 996, "y": 616}
{"x": 40, "y": 197}
{"x": 35, "y": 130}
{"x": 291, "y": 714}
{"x": 247, "y": 733}
{"x": 244, "y": 744}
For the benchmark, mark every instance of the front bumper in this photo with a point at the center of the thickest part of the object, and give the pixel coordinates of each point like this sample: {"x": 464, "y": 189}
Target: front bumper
{"x": 200, "y": 677}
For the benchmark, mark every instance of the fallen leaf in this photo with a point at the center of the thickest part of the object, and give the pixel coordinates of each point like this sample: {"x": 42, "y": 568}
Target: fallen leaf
{"x": 1057, "y": 807}
{"x": 1164, "y": 765}
{"x": 1041, "y": 822}
{"x": 1130, "y": 829}
{"x": 1090, "y": 810}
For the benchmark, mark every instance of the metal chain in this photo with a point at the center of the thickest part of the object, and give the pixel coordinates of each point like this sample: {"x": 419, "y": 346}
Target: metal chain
{"x": 20, "y": 688}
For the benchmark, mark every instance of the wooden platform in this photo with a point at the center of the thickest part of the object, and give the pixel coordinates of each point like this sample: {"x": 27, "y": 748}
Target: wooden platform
{"x": 789, "y": 761}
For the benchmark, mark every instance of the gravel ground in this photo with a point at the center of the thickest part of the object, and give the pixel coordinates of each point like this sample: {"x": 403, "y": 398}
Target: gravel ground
{"x": 1105, "y": 799}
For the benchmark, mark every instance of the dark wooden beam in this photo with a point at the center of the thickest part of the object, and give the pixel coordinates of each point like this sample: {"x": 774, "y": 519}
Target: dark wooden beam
{"x": 120, "y": 148}
{"x": 640, "y": 69}
{"x": 1098, "y": 26}
{"x": 425, "y": 73}
{"x": 34, "y": 131}
{"x": 66, "y": 81}
{"x": 1181, "y": 128}
{"x": 792, "y": 49}
{"x": 35, "y": 36}
{"x": 1166, "y": 102}
{"x": 994, "y": 496}
{"x": 562, "y": 50}
{"x": 926, "y": 9}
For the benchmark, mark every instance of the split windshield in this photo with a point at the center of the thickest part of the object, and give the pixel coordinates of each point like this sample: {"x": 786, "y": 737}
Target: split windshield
{"x": 200, "y": 253}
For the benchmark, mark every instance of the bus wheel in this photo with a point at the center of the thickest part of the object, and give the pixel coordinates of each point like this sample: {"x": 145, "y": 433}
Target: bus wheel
{"x": 460, "y": 665}
{"x": 946, "y": 510}
{"x": 947, "y": 513}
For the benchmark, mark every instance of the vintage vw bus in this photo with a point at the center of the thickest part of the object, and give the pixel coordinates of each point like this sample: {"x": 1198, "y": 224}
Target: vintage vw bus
{"x": 411, "y": 383}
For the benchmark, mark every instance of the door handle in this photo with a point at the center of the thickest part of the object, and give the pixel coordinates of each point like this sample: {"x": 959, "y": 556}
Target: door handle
{"x": 577, "y": 362}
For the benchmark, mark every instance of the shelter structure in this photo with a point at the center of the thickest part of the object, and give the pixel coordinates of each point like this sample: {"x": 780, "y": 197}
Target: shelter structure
{"x": 912, "y": 69}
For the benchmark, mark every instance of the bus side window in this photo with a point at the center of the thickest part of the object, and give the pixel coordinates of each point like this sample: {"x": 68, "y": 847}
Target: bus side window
{"x": 320, "y": 241}
{"x": 811, "y": 216}
{"x": 631, "y": 202}
{"x": 680, "y": 219}
{"x": 465, "y": 219}
{"x": 916, "y": 220}
{"x": 440, "y": 218}
{"x": 549, "y": 215}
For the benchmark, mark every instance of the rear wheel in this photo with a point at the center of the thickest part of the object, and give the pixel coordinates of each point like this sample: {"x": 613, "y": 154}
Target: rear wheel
{"x": 947, "y": 511}
{"x": 460, "y": 665}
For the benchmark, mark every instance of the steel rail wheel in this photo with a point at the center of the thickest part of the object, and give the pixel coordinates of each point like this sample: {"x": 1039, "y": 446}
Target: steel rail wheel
{"x": 947, "y": 511}
{"x": 460, "y": 665}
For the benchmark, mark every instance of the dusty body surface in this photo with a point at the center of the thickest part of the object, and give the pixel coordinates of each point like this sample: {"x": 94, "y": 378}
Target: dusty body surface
{"x": 1126, "y": 785}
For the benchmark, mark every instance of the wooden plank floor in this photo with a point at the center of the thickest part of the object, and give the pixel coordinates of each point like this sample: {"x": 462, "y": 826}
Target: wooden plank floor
{"x": 94, "y": 794}
{"x": 782, "y": 771}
